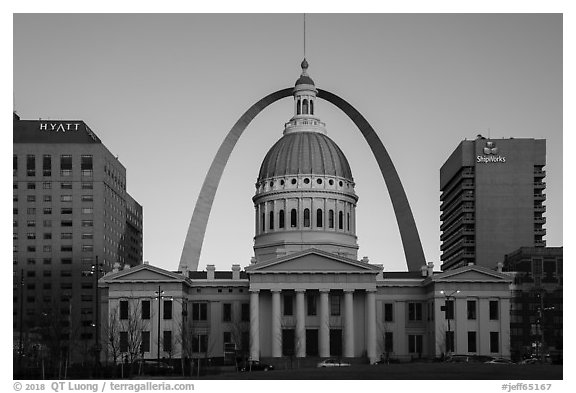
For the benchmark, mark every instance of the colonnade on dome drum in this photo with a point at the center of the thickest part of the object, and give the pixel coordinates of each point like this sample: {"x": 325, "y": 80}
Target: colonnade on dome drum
{"x": 408, "y": 232}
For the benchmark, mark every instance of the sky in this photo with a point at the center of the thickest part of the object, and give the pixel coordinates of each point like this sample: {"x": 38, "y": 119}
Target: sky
{"x": 163, "y": 90}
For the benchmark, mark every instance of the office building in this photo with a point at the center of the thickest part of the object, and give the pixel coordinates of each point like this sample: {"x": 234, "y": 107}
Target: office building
{"x": 492, "y": 200}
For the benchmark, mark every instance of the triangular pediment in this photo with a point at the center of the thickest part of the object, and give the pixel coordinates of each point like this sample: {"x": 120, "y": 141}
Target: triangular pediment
{"x": 472, "y": 273}
{"x": 143, "y": 273}
{"x": 313, "y": 261}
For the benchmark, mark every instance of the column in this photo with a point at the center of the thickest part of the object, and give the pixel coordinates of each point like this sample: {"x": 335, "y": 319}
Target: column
{"x": 276, "y": 324}
{"x": 349, "y": 323}
{"x": 254, "y": 325}
{"x": 371, "y": 325}
{"x": 324, "y": 331}
{"x": 300, "y": 324}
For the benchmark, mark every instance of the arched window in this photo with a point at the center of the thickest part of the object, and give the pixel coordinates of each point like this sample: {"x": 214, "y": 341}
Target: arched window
{"x": 281, "y": 219}
{"x": 340, "y": 220}
{"x": 298, "y": 107}
{"x": 263, "y": 226}
{"x": 293, "y": 218}
{"x": 272, "y": 220}
{"x": 306, "y": 218}
{"x": 311, "y": 107}
{"x": 305, "y": 107}
{"x": 348, "y": 221}
{"x": 330, "y": 218}
{"x": 319, "y": 218}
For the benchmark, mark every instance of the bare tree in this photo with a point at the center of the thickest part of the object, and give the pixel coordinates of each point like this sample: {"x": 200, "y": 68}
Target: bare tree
{"x": 112, "y": 334}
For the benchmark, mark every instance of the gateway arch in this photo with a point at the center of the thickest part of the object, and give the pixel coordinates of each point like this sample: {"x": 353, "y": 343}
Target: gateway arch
{"x": 196, "y": 230}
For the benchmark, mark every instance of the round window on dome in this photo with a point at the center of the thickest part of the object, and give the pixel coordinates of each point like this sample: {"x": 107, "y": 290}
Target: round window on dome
{"x": 319, "y": 181}
{"x": 340, "y": 183}
{"x": 281, "y": 182}
{"x": 331, "y": 182}
{"x": 271, "y": 184}
{"x": 306, "y": 181}
{"x": 293, "y": 181}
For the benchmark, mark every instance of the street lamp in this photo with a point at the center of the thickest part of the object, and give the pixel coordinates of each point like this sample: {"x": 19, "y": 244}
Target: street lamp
{"x": 159, "y": 296}
{"x": 447, "y": 297}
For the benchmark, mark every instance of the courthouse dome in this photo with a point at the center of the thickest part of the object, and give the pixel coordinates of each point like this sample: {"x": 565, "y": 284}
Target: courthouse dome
{"x": 309, "y": 153}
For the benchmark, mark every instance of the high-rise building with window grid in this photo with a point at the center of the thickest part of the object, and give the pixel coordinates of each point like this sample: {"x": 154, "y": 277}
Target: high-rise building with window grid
{"x": 492, "y": 200}
{"x": 71, "y": 211}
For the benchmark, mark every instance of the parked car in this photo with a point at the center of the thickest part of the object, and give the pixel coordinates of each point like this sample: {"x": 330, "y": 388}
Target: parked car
{"x": 499, "y": 361}
{"x": 468, "y": 359}
{"x": 332, "y": 363}
{"x": 152, "y": 367}
{"x": 255, "y": 365}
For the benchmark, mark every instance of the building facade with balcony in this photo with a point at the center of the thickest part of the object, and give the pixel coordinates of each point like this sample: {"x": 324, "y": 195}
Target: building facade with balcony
{"x": 492, "y": 194}
{"x": 305, "y": 293}
{"x": 71, "y": 212}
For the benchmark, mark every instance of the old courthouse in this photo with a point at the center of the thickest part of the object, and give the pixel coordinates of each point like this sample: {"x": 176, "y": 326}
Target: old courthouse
{"x": 305, "y": 293}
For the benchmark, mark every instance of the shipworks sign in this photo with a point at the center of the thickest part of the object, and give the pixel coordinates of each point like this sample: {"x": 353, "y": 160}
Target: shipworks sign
{"x": 59, "y": 127}
{"x": 490, "y": 154}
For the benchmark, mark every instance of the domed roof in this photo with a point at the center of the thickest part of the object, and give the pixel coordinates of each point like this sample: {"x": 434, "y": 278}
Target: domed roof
{"x": 305, "y": 153}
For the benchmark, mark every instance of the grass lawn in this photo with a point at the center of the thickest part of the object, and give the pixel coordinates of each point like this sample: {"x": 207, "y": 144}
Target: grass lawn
{"x": 410, "y": 371}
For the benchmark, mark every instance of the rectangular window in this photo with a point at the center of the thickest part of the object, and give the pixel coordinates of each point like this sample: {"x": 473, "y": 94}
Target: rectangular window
{"x": 87, "y": 185}
{"x": 87, "y": 236}
{"x": 65, "y": 165}
{"x": 227, "y": 312}
{"x": 227, "y": 337}
{"x": 47, "y": 198}
{"x": 14, "y": 165}
{"x": 65, "y": 273}
{"x": 66, "y": 235}
{"x": 31, "y": 210}
{"x": 31, "y": 186}
{"x": 31, "y": 165}
{"x": 123, "y": 341}
{"x": 494, "y": 310}
{"x": 471, "y": 309}
{"x": 167, "y": 341}
{"x": 87, "y": 210}
{"x": 199, "y": 343}
{"x": 288, "y": 300}
{"x": 66, "y": 185}
{"x": 87, "y": 248}
{"x": 66, "y": 210}
{"x": 388, "y": 312}
{"x": 388, "y": 342}
{"x": 87, "y": 223}
{"x": 334, "y": 305}
{"x": 31, "y": 248}
{"x": 65, "y": 198}
{"x": 47, "y": 248}
{"x": 145, "y": 309}
{"x": 47, "y": 223}
{"x": 414, "y": 311}
{"x": 415, "y": 343}
{"x": 31, "y": 223}
{"x": 245, "y": 312}
{"x": 199, "y": 311}
{"x": 87, "y": 198}
{"x": 494, "y": 342}
{"x": 145, "y": 345}
{"x": 86, "y": 165}
{"x": 123, "y": 309}
{"x": 471, "y": 341}
{"x": 311, "y": 300}
{"x": 31, "y": 198}
{"x": 66, "y": 223}
{"x": 47, "y": 261}
{"x": 46, "y": 185}
{"x": 31, "y": 235}
{"x": 47, "y": 165}
{"x": 449, "y": 309}
{"x": 47, "y": 210}
{"x": 66, "y": 261}
{"x": 167, "y": 309}
{"x": 48, "y": 236}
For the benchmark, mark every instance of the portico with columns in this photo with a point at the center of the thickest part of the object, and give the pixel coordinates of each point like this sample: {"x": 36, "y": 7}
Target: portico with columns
{"x": 326, "y": 300}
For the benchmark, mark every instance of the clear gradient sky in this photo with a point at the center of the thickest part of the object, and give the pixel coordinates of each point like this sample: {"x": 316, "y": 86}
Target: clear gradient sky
{"x": 163, "y": 90}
